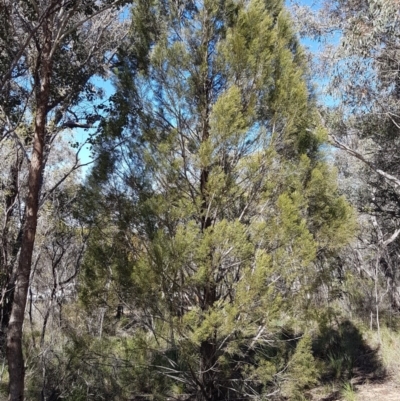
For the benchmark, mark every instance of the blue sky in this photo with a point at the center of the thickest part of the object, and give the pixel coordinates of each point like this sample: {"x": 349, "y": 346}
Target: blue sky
{"x": 81, "y": 135}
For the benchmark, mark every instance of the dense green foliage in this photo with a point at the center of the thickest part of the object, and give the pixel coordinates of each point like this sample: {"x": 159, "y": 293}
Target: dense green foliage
{"x": 219, "y": 213}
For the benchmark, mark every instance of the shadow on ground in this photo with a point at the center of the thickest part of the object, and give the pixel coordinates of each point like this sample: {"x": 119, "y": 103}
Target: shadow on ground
{"x": 332, "y": 397}
{"x": 345, "y": 355}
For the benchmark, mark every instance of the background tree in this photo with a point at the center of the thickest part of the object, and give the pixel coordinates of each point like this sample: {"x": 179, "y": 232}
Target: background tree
{"x": 220, "y": 197}
{"x": 50, "y": 51}
{"x": 363, "y": 81}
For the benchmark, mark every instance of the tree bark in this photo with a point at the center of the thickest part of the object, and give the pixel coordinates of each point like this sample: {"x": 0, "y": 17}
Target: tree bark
{"x": 14, "y": 336}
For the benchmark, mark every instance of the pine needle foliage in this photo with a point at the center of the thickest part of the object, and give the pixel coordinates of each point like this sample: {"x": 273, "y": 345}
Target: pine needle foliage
{"x": 230, "y": 198}
{"x": 302, "y": 372}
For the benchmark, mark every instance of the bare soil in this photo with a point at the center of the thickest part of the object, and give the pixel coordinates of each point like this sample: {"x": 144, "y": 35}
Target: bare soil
{"x": 384, "y": 391}
{"x": 388, "y": 391}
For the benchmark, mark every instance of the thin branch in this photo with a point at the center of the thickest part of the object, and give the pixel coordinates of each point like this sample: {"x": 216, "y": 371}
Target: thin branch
{"x": 392, "y": 238}
{"x": 340, "y": 145}
{"x": 11, "y": 132}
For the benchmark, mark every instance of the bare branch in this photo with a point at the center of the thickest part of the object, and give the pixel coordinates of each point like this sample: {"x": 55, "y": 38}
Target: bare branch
{"x": 340, "y": 145}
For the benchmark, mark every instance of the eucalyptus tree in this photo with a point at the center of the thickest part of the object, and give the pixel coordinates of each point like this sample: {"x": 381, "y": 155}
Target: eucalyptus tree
{"x": 50, "y": 50}
{"x": 363, "y": 79}
{"x": 227, "y": 201}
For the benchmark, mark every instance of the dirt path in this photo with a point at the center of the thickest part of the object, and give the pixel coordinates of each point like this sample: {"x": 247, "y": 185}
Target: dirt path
{"x": 378, "y": 392}
{"x": 386, "y": 391}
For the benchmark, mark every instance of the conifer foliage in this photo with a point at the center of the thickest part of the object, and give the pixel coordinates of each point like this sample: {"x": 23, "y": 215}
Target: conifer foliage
{"x": 220, "y": 197}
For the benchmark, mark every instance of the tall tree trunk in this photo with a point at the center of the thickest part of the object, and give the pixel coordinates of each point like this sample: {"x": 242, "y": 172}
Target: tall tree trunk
{"x": 208, "y": 349}
{"x": 15, "y": 358}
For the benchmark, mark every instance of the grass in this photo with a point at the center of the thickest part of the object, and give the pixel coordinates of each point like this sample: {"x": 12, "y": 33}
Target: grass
{"x": 348, "y": 392}
{"x": 389, "y": 350}
{"x": 336, "y": 365}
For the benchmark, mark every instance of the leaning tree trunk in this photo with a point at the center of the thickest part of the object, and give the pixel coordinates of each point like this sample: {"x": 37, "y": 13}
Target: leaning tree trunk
{"x": 14, "y": 336}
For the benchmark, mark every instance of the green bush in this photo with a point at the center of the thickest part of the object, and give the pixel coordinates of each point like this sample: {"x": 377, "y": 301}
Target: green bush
{"x": 302, "y": 372}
